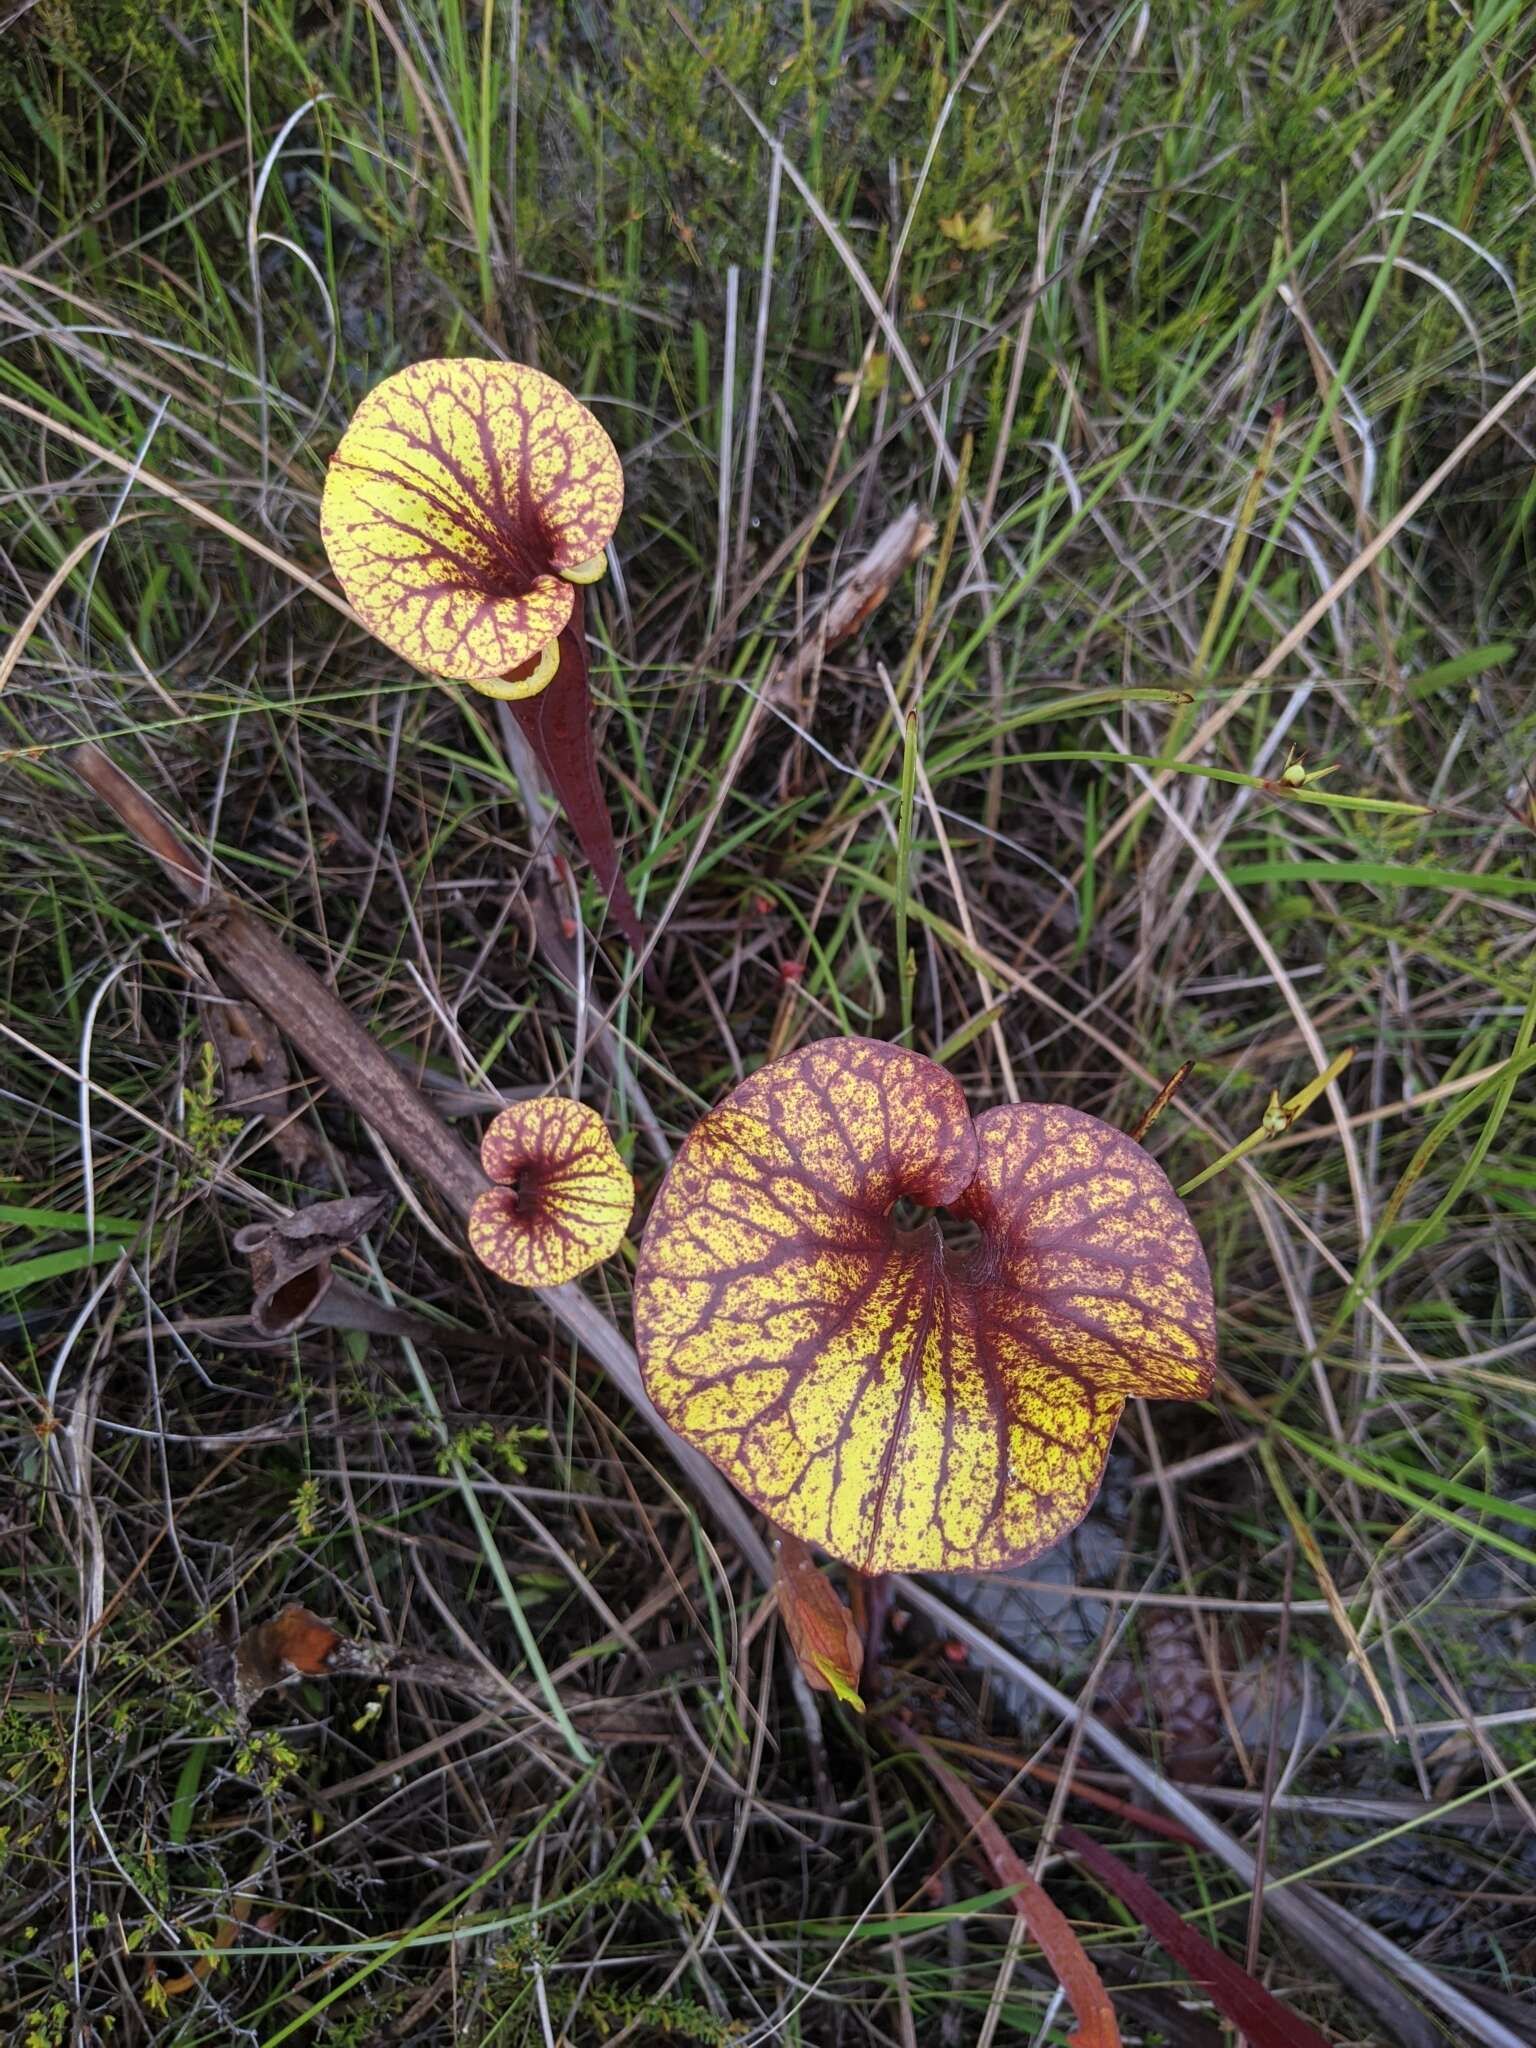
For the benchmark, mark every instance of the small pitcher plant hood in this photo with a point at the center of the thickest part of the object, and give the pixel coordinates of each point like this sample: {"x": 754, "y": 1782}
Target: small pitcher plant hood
{"x": 464, "y": 508}
{"x": 904, "y": 1405}
{"x": 562, "y": 1197}
{"x": 465, "y": 502}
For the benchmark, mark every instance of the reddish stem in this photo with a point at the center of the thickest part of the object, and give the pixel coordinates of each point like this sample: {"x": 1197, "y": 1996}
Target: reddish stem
{"x": 1044, "y": 1919}
{"x": 871, "y": 1597}
{"x": 558, "y": 726}
{"x": 1263, "y": 2021}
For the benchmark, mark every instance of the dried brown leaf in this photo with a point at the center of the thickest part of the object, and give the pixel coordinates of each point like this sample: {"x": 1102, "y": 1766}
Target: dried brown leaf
{"x": 291, "y": 1257}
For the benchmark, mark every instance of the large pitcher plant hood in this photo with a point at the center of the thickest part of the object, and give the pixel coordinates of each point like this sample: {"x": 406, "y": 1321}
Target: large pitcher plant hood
{"x": 463, "y": 504}
{"x": 902, "y": 1404}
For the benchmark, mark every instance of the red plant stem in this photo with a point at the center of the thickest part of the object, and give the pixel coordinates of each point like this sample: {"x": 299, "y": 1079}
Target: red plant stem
{"x": 1096, "y": 2027}
{"x": 1160, "y": 1101}
{"x": 1264, "y": 2021}
{"x": 1134, "y": 1816}
{"x": 558, "y": 726}
{"x": 870, "y": 1596}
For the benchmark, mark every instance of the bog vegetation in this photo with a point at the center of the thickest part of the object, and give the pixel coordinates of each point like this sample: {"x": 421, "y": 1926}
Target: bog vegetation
{"x": 958, "y": 792}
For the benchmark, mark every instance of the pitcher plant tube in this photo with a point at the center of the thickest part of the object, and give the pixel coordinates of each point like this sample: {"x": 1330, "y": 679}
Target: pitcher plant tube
{"x": 904, "y": 1403}
{"x": 467, "y": 503}
{"x": 560, "y": 1199}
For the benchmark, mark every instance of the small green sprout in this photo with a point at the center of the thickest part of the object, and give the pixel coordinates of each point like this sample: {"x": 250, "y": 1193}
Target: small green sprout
{"x": 1296, "y": 775}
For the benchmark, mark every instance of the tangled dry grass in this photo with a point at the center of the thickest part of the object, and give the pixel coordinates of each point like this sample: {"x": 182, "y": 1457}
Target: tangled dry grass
{"x": 1220, "y": 419}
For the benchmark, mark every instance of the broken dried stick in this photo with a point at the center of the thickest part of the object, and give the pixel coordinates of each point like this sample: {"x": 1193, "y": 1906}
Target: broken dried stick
{"x": 341, "y": 1052}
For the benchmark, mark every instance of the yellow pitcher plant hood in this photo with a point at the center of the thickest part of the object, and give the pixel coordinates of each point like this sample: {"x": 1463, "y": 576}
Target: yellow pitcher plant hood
{"x": 463, "y": 505}
{"x": 561, "y": 1197}
{"x": 904, "y": 1405}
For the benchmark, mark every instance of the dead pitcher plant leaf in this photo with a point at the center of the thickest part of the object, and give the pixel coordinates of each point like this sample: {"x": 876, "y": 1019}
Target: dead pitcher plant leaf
{"x": 291, "y": 1257}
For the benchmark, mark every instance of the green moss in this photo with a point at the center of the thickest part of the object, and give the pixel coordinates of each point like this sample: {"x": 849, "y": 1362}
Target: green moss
{"x": 68, "y": 57}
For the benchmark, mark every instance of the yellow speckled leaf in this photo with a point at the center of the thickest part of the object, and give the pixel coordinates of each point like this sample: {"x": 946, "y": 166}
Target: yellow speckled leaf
{"x": 903, "y": 1405}
{"x": 562, "y": 1199}
{"x": 459, "y": 498}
